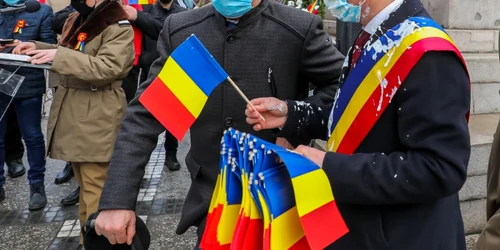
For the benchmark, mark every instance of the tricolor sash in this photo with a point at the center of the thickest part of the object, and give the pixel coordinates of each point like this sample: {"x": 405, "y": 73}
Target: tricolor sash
{"x": 377, "y": 76}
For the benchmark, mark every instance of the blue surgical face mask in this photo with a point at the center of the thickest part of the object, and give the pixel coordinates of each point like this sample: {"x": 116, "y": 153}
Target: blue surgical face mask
{"x": 232, "y": 8}
{"x": 11, "y": 2}
{"x": 345, "y": 11}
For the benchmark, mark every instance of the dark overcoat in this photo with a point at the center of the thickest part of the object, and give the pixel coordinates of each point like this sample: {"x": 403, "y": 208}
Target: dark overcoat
{"x": 273, "y": 44}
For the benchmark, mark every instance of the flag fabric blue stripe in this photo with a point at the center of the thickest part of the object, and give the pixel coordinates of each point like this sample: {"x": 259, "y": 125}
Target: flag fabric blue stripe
{"x": 199, "y": 64}
{"x": 279, "y": 190}
{"x": 357, "y": 74}
{"x": 297, "y": 164}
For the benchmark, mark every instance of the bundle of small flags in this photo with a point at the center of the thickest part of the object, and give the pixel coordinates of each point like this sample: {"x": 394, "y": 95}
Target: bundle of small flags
{"x": 260, "y": 202}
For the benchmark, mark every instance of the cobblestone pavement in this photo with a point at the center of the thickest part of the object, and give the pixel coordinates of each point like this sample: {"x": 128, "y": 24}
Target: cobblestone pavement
{"x": 56, "y": 227}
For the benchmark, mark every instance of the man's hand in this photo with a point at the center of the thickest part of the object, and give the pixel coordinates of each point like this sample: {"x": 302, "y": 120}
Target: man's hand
{"x": 13, "y": 44}
{"x": 131, "y": 11}
{"x": 23, "y": 48}
{"x": 118, "y": 226}
{"x": 284, "y": 143}
{"x": 41, "y": 56}
{"x": 315, "y": 155}
{"x": 272, "y": 109}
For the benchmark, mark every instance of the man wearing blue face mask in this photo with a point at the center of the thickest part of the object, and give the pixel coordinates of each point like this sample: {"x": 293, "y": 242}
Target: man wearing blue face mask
{"x": 398, "y": 137}
{"x": 22, "y": 26}
{"x": 268, "y": 49}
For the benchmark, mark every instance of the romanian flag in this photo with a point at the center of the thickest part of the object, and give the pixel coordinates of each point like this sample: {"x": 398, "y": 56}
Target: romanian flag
{"x": 262, "y": 204}
{"x": 178, "y": 94}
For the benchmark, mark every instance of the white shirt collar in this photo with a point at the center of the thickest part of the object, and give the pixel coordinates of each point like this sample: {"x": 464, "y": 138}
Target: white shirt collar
{"x": 383, "y": 15}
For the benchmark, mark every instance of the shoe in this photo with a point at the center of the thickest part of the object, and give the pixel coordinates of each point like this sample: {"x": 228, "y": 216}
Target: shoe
{"x": 171, "y": 161}
{"x": 16, "y": 168}
{"x": 72, "y": 199}
{"x": 38, "y": 198}
{"x": 2, "y": 193}
{"x": 80, "y": 247}
{"x": 65, "y": 175}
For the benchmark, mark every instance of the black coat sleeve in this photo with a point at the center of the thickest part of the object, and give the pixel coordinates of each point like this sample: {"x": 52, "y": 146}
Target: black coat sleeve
{"x": 60, "y": 18}
{"x": 136, "y": 140}
{"x": 148, "y": 24}
{"x": 306, "y": 120}
{"x": 432, "y": 127}
{"x": 321, "y": 64}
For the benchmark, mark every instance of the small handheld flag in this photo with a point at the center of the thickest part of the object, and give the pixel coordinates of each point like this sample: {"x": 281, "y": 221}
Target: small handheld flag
{"x": 178, "y": 94}
{"x": 281, "y": 206}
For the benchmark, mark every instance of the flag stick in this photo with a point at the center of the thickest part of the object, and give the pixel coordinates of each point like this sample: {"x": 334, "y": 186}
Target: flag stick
{"x": 244, "y": 97}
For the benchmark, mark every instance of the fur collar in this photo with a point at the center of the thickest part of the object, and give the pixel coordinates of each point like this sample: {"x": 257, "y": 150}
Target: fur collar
{"x": 109, "y": 12}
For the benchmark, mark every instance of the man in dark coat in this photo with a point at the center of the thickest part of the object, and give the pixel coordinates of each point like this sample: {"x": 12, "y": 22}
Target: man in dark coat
{"x": 268, "y": 49}
{"x": 397, "y": 159}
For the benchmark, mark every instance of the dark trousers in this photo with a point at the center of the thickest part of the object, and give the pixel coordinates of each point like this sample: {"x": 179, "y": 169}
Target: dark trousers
{"x": 14, "y": 148}
{"x": 129, "y": 86}
{"x": 29, "y": 117}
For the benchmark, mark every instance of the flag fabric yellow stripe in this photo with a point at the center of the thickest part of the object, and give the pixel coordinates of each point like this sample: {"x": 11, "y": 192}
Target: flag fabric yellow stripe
{"x": 308, "y": 201}
{"x": 265, "y": 211}
{"x": 183, "y": 87}
{"x": 374, "y": 79}
{"x": 286, "y": 230}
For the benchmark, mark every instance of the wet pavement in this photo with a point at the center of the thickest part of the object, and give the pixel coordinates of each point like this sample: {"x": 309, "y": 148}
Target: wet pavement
{"x": 56, "y": 227}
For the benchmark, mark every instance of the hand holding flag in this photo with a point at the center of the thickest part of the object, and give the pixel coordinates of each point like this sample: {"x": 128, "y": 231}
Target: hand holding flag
{"x": 272, "y": 109}
{"x": 178, "y": 94}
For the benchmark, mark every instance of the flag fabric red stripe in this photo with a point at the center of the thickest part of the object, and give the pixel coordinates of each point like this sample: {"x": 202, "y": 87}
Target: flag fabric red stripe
{"x": 366, "y": 117}
{"x": 240, "y": 230}
{"x": 267, "y": 238}
{"x": 331, "y": 228}
{"x": 170, "y": 111}
{"x": 254, "y": 235}
{"x": 209, "y": 238}
{"x": 302, "y": 244}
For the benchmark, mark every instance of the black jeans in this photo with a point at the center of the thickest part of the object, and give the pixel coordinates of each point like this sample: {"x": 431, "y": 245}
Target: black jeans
{"x": 14, "y": 148}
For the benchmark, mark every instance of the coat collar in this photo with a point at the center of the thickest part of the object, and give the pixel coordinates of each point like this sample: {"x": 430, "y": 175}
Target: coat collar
{"x": 409, "y": 8}
{"x": 245, "y": 19}
{"x": 109, "y": 12}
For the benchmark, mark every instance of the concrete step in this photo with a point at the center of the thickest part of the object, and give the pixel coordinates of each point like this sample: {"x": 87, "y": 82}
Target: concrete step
{"x": 475, "y": 40}
{"x": 471, "y": 240}
{"x": 483, "y": 67}
{"x": 485, "y": 98}
{"x": 474, "y": 215}
{"x": 465, "y": 14}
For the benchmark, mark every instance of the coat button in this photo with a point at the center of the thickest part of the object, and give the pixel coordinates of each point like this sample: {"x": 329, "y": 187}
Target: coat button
{"x": 230, "y": 38}
{"x": 228, "y": 122}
